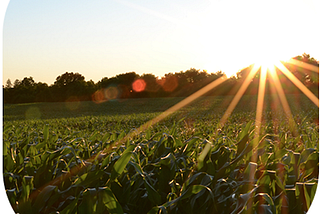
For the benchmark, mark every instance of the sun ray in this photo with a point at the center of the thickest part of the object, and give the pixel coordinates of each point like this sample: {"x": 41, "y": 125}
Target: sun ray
{"x": 76, "y": 169}
{"x": 259, "y": 107}
{"x": 261, "y": 93}
{"x": 283, "y": 100}
{"x": 304, "y": 65}
{"x": 295, "y": 81}
{"x": 177, "y": 106}
{"x": 238, "y": 96}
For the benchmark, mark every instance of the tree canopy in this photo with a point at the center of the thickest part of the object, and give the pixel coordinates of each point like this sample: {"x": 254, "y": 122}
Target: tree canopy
{"x": 73, "y": 87}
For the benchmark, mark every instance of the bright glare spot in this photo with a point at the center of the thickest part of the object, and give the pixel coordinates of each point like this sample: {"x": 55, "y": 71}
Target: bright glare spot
{"x": 268, "y": 58}
{"x": 139, "y": 85}
{"x": 265, "y": 62}
{"x": 256, "y": 36}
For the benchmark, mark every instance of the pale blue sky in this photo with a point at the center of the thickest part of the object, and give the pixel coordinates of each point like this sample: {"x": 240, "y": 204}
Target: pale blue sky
{"x": 101, "y": 38}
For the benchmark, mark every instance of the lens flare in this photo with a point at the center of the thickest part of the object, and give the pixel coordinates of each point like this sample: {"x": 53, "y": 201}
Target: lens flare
{"x": 105, "y": 94}
{"x": 98, "y": 96}
{"x": 111, "y": 93}
{"x": 139, "y": 85}
{"x": 76, "y": 169}
{"x": 169, "y": 83}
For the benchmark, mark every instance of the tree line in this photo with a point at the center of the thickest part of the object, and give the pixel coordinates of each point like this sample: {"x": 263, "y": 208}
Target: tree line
{"x": 73, "y": 87}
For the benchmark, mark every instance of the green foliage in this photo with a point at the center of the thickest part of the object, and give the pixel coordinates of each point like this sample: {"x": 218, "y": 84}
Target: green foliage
{"x": 183, "y": 164}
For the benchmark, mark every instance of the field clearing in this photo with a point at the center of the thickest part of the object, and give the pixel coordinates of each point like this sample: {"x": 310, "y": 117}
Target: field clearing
{"x": 183, "y": 164}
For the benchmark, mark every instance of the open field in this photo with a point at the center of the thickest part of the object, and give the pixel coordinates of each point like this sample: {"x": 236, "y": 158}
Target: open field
{"x": 67, "y": 157}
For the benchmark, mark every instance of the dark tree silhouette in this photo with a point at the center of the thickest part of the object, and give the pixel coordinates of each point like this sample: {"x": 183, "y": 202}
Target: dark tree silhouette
{"x": 73, "y": 87}
{"x": 67, "y": 79}
{"x": 8, "y": 84}
{"x": 69, "y": 87}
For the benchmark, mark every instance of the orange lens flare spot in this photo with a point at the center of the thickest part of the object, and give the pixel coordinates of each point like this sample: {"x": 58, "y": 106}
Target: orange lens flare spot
{"x": 169, "y": 83}
{"x": 139, "y": 85}
{"x": 106, "y": 94}
{"x": 98, "y": 97}
{"x": 111, "y": 93}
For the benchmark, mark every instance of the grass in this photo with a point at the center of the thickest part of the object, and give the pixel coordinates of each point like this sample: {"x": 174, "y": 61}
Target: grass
{"x": 53, "y": 159}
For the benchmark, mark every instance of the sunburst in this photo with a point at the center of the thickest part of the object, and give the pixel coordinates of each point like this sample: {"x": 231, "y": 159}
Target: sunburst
{"x": 265, "y": 64}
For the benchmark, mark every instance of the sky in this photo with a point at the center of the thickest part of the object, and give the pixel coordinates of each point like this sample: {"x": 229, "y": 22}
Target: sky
{"x": 44, "y": 39}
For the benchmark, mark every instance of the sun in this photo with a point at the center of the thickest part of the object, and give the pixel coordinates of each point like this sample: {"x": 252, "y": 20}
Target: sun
{"x": 268, "y": 58}
{"x": 266, "y": 62}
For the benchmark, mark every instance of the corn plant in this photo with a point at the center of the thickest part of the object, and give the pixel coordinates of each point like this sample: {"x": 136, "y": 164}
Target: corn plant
{"x": 184, "y": 164}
